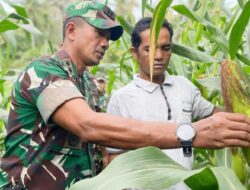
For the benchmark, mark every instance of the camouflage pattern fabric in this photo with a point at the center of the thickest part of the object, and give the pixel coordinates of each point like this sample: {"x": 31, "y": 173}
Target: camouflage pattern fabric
{"x": 39, "y": 154}
{"x": 103, "y": 102}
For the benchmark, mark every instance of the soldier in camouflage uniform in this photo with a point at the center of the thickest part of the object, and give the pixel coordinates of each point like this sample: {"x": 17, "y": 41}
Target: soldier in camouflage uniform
{"x": 39, "y": 153}
{"x": 53, "y": 120}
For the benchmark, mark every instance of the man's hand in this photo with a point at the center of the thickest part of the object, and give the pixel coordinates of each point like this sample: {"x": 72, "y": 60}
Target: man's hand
{"x": 222, "y": 130}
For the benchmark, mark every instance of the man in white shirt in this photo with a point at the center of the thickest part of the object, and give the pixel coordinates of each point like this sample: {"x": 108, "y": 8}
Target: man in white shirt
{"x": 166, "y": 98}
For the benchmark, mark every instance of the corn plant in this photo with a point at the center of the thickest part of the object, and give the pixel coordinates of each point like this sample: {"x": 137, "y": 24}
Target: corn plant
{"x": 206, "y": 32}
{"x": 202, "y": 49}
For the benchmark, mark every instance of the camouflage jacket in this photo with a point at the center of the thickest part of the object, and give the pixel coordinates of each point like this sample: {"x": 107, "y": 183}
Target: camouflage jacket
{"x": 40, "y": 154}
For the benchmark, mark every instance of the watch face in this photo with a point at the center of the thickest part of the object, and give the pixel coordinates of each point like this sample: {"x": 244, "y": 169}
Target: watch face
{"x": 185, "y": 132}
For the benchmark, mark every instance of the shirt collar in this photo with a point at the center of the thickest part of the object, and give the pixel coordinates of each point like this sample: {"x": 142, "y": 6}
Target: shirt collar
{"x": 150, "y": 86}
{"x": 65, "y": 60}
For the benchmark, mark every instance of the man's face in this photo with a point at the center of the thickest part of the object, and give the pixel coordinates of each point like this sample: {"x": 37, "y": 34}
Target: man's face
{"x": 90, "y": 44}
{"x": 162, "y": 55}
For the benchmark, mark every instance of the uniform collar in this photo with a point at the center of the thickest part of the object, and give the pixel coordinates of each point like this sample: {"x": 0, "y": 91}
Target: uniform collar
{"x": 150, "y": 86}
{"x": 64, "y": 58}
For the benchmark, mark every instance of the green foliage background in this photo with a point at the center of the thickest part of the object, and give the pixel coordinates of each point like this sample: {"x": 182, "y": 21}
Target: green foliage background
{"x": 202, "y": 38}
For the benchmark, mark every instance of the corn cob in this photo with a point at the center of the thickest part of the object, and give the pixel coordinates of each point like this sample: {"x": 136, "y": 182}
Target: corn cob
{"x": 236, "y": 94}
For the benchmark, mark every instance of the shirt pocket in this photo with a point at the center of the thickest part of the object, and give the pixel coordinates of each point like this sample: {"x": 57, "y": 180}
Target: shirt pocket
{"x": 64, "y": 143}
{"x": 186, "y": 112}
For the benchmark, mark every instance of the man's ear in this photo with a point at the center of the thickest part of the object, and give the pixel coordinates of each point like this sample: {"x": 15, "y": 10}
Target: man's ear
{"x": 71, "y": 30}
{"x": 133, "y": 51}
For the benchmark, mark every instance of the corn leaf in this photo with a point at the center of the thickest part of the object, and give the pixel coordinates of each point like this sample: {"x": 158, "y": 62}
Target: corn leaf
{"x": 241, "y": 3}
{"x": 243, "y": 59}
{"x": 146, "y": 168}
{"x": 144, "y": 4}
{"x": 150, "y": 9}
{"x": 223, "y": 157}
{"x": 196, "y": 5}
{"x": 203, "y": 180}
{"x": 7, "y": 25}
{"x": 20, "y": 10}
{"x": 124, "y": 24}
{"x": 216, "y": 35}
{"x": 238, "y": 30}
{"x": 7, "y": 8}
{"x": 176, "y": 65}
{"x": 29, "y": 28}
{"x": 3, "y": 115}
{"x": 248, "y": 38}
{"x": 19, "y": 17}
{"x": 192, "y": 54}
{"x": 211, "y": 83}
{"x": 156, "y": 25}
{"x": 227, "y": 179}
{"x": 150, "y": 168}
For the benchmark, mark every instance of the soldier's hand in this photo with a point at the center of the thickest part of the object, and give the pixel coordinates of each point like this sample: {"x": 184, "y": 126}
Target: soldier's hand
{"x": 222, "y": 130}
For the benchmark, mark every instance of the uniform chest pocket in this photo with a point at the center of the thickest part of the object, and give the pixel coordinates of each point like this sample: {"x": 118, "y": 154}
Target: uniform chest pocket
{"x": 68, "y": 145}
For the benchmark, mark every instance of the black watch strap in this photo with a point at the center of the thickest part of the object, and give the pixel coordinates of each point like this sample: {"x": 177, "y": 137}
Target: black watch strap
{"x": 187, "y": 148}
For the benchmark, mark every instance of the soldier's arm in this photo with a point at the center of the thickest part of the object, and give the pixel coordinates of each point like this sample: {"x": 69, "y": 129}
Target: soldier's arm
{"x": 217, "y": 131}
{"x": 76, "y": 116}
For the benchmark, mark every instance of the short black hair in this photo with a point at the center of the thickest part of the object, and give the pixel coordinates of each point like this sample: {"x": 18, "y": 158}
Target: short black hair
{"x": 144, "y": 24}
{"x": 76, "y": 19}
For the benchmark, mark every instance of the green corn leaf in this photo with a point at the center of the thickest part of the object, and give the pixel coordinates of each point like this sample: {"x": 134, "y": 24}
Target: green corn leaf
{"x": 227, "y": 179}
{"x": 3, "y": 115}
{"x": 238, "y": 30}
{"x": 127, "y": 27}
{"x": 196, "y": 5}
{"x": 147, "y": 168}
{"x": 199, "y": 33}
{"x": 20, "y": 10}
{"x": 144, "y": 4}
{"x": 150, "y": 168}
{"x": 243, "y": 58}
{"x": 248, "y": 38}
{"x": 150, "y": 9}
{"x": 176, "y": 65}
{"x": 7, "y": 8}
{"x": 241, "y": 3}
{"x": 19, "y": 17}
{"x": 203, "y": 180}
{"x": 192, "y": 54}
{"x": 29, "y": 28}
{"x": 216, "y": 35}
{"x": 7, "y": 25}
{"x": 210, "y": 83}
{"x": 246, "y": 70}
{"x": 156, "y": 25}
{"x": 183, "y": 10}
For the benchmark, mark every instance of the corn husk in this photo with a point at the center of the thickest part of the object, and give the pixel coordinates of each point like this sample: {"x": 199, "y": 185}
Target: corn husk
{"x": 236, "y": 94}
{"x": 236, "y": 88}
{"x": 239, "y": 166}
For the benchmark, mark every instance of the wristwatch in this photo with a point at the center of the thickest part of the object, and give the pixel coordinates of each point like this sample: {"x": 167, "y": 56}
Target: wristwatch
{"x": 185, "y": 134}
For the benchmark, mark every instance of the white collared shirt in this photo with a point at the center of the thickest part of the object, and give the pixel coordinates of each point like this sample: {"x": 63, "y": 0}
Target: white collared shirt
{"x": 143, "y": 100}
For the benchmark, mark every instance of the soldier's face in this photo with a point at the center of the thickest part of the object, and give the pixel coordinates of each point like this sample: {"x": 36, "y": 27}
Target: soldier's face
{"x": 90, "y": 44}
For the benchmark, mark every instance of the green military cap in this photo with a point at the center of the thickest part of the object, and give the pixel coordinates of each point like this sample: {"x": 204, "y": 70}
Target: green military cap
{"x": 97, "y": 15}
